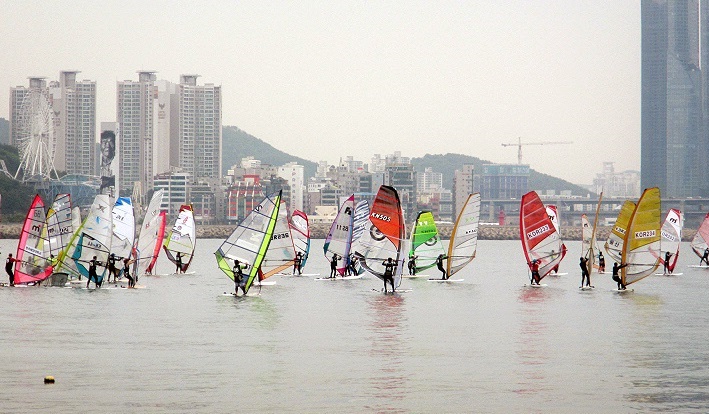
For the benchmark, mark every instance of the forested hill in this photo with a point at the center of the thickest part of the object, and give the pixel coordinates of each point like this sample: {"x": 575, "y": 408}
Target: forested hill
{"x": 16, "y": 197}
{"x": 448, "y": 163}
{"x": 237, "y": 144}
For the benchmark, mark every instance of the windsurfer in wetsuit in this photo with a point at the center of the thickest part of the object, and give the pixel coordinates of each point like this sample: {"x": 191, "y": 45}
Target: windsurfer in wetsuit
{"x": 126, "y": 272}
{"x": 705, "y": 258}
{"x": 297, "y": 263}
{"x": 601, "y": 263}
{"x": 667, "y": 271}
{"x": 583, "y": 263}
{"x": 112, "y": 270}
{"x": 333, "y": 265}
{"x": 616, "y": 277}
{"x": 439, "y": 264}
{"x": 389, "y": 266}
{"x": 93, "y": 263}
{"x": 178, "y": 263}
{"x": 9, "y": 264}
{"x": 534, "y": 267}
{"x": 239, "y": 277}
{"x": 555, "y": 269}
{"x": 351, "y": 266}
{"x": 412, "y": 265}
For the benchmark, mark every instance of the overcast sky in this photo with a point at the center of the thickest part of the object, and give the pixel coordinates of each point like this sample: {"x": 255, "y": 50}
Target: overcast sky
{"x": 325, "y": 79}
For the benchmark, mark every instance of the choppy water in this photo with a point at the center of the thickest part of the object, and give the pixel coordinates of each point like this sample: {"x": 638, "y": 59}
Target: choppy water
{"x": 485, "y": 345}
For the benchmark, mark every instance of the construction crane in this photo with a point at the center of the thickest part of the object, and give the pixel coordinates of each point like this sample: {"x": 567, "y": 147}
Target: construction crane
{"x": 520, "y": 143}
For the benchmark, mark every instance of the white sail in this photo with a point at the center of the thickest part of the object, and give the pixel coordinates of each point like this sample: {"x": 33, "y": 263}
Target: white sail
{"x": 95, "y": 237}
{"x": 280, "y": 253}
{"x": 182, "y": 238}
{"x": 123, "y": 228}
{"x": 672, "y": 236}
{"x": 151, "y": 235}
{"x": 464, "y": 238}
{"x": 60, "y": 227}
{"x": 553, "y": 216}
{"x": 338, "y": 240}
{"x": 700, "y": 242}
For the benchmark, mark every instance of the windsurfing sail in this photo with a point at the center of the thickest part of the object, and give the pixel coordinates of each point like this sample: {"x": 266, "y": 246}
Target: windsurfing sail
{"x": 249, "y": 242}
{"x": 614, "y": 244}
{"x": 60, "y": 225}
{"x": 280, "y": 253}
{"x": 64, "y": 261}
{"x": 588, "y": 238}
{"x": 385, "y": 235}
{"x": 338, "y": 240}
{"x": 464, "y": 238}
{"x": 671, "y": 237}
{"x": 32, "y": 262}
{"x": 641, "y": 247}
{"x": 300, "y": 230}
{"x": 426, "y": 245}
{"x": 700, "y": 242}
{"x": 123, "y": 228}
{"x": 540, "y": 239}
{"x": 553, "y": 216}
{"x": 182, "y": 238}
{"x": 359, "y": 221}
{"x": 95, "y": 238}
{"x": 152, "y": 232}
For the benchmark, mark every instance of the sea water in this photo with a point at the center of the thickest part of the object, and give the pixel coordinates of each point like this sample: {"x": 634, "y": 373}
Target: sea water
{"x": 487, "y": 344}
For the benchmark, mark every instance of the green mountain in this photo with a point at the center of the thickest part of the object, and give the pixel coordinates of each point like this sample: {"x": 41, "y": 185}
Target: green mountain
{"x": 237, "y": 144}
{"x": 16, "y": 197}
{"x": 448, "y": 163}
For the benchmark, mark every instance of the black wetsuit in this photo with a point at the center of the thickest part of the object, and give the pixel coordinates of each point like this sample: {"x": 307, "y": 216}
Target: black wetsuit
{"x": 333, "y": 266}
{"x": 601, "y": 263}
{"x": 92, "y": 273}
{"x": 583, "y": 264}
{"x": 389, "y": 274}
{"x": 296, "y": 264}
{"x": 112, "y": 268}
{"x": 616, "y": 277}
{"x": 178, "y": 263}
{"x": 238, "y": 279}
{"x": 668, "y": 255}
{"x": 351, "y": 267}
{"x": 10, "y": 272}
{"x": 412, "y": 266}
{"x": 439, "y": 263}
{"x": 126, "y": 273}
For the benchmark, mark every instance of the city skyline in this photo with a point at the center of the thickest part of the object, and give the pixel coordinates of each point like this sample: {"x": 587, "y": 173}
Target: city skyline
{"x": 317, "y": 79}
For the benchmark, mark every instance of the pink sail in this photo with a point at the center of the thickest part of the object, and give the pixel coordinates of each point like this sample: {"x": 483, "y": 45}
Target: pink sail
{"x": 32, "y": 261}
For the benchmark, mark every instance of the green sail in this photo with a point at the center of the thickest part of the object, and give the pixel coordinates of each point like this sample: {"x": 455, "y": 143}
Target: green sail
{"x": 425, "y": 243}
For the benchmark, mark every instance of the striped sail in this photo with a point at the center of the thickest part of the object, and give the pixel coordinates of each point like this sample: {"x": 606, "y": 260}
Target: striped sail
{"x": 540, "y": 239}
{"x": 64, "y": 261}
{"x": 671, "y": 237}
{"x": 425, "y": 243}
{"x": 300, "y": 231}
{"x": 95, "y": 238}
{"x": 385, "y": 235}
{"x": 464, "y": 238}
{"x": 33, "y": 262}
{"x": 60, "y": 225}
{"x": 123, "y": 228}
{"x": 359, "y": 221}
{"x": 553, "y": 214}
{"x": 614, "y": 244}
{"x": 182, "y": 238}
{"x": 281, "y": 252}
{"x": 338, "y": 240}
{"x": 700, "y": 242}
{"x": 641, "y": 247}
{"x": 249, "y": 242}
{"x": 152, "y": 232}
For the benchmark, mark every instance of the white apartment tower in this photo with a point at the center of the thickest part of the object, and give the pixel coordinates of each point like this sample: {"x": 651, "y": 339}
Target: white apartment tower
{"x": 135, "y": 109}
{"x": 462, "y": 187}
{"x": 200, "y": 128}
{"x": 295, "y": 175}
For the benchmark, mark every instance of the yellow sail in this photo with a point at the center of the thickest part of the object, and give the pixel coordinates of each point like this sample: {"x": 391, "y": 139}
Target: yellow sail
{"x": 641, "y": 247}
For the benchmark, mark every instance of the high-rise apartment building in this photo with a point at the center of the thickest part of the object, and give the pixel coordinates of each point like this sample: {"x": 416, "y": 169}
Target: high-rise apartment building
{"x": 135, "y": 117}
{"x": 200, "y": 128}
{"x": 675, "y": 50}
{"x": 462, "y": 187}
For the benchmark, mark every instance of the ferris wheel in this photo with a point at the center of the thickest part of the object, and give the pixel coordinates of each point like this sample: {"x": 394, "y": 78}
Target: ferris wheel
{"x": 35, "y": 136}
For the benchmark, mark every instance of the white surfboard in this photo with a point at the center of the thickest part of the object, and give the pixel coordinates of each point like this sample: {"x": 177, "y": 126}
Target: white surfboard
{"x": 699, "y": 266}
{"x": 558, "y": 274}
{"x": 297, "y": 275}
{"x": 395, "y": 292}
{"x": 587, "y": 288}
{"x": 623, "y": 290}
{"x": 354, "y": 277}
{"x": 233, "y": 295}
{"x": 264, "y": 283}
{"x": 537, "y": 286}
{"x": 669, "y": 274}
{"x": 445, "y": 280}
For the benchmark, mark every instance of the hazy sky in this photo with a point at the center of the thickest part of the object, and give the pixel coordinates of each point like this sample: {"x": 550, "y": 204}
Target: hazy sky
{"x": 324, "y": 79}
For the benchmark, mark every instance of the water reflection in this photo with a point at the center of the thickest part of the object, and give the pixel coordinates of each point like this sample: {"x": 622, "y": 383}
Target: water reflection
{"x": 389, "y": 380}
{"x": 532, "y": 344}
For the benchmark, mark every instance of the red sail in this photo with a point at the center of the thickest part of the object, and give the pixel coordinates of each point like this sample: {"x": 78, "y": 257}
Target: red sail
{"x": 540, "y": 240}
{"x": 32, "y": 260}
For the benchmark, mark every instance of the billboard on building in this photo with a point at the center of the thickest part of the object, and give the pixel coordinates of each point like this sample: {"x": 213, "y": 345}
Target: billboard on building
{"x": 108, "y": 167}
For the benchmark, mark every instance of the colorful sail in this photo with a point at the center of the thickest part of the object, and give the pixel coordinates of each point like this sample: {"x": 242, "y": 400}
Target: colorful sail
{"x": 33, "y": 263}
{"x": 338, "y": 240}
{"x": 385, "y": 235}
{"x": 182, "y": 238}
{"x": 426, "y": 245}
{"x": 95, "y": 238}
{"x": 280, "y": 253}
{"x": 594, "y": 242}
{"x": 540, "y": 239}
{"x": 152, "y": 233}
{"x": 300, "y": 230}
{"x": 249, "y": 242}
{"x": 614, "y": 245}
{"x": 123, "y": 228}
{"x": 553, "y": 214}
{"x": 700, "y": 242}
{"x": 60, "y": 226}
{"x": 641, "y": 247}
{"x": 359, "y": 221}
{"x": 64, "y": 262}
{"x": 464, "y": 238}
{"x": 671, "y": 237}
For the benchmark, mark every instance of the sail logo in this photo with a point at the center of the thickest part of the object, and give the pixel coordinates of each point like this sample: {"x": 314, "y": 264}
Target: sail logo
{"x": 348, "y": 211}
{"x": 381, "y": 217}
{"x": 35, "y": 228}
{"x": 538, "y": 232}
{"x": 673, "y": 220}
{"x": 376, "y": 234}
{"x": 645, "y": 234}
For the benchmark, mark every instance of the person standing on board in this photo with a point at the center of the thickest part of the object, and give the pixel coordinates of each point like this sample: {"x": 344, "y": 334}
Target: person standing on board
{"x": 297, "y": 263}
{"x": 333, "y": 265}
{"x": 93, "y": 263}
{"x": 583, "y": 263}
{"x": 534, "y": 267}
{"x": 616, "y": 277}
{"x": 705, "y": 258}
{"x": 601, "y": 263}
{"x": 412, "y": 265}
{"x": 351, "y": 268}
{"x": 667, "y": 270}
{"x": 178, "y": 263}
{"x": 239, "y": 277}
{"x": 439, "y": 264}
{"x": 126, "y": 272}
{"x": 389, "y": 266}
{"x": 112, "y": 270}
{"x": 556, "y": 268}
{"x": 9, "y": 264}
